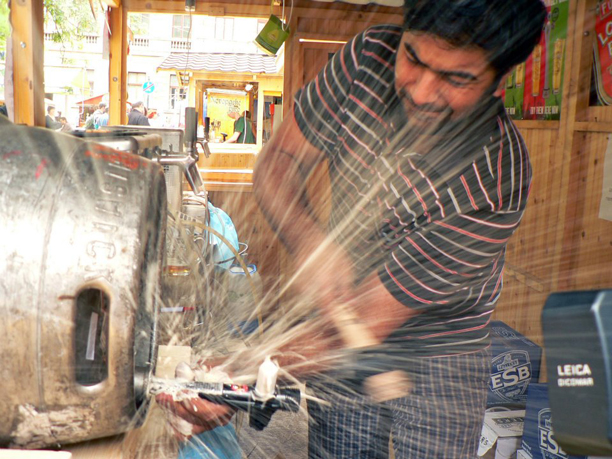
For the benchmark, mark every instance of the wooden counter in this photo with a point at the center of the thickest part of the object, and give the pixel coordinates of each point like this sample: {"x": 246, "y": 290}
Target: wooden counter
{"x": 229, "y": 167}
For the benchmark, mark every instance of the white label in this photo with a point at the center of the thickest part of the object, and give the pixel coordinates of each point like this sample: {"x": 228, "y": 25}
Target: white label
{"x": 91, "y": 338}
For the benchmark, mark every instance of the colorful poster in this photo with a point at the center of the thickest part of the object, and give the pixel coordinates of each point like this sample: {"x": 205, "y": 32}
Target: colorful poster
{"x": 536, "y": 87}
{"x": 603, "y": 52}
{"x": 515, "y": 88}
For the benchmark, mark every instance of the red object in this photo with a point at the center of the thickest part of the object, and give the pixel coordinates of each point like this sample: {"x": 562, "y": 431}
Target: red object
{"x": 603, "y": 52}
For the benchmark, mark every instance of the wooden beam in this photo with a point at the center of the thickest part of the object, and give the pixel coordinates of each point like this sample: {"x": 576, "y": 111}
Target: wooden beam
{"x": 112, "y": 3}
{"x": 26, "y": 19}
{"x": 118, "y": 66}
{"x": 261, "y": 9}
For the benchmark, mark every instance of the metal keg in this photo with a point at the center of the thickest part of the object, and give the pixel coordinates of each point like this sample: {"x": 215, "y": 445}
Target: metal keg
{"x": 82, "y": 233}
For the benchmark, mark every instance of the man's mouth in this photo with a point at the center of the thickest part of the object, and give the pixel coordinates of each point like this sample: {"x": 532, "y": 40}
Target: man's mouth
{"x": 425, "y": 112}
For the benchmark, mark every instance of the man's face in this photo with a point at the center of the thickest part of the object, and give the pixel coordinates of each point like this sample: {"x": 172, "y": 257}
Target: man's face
{"x": 437, "y": 82}
{"x": 52, "y": 113}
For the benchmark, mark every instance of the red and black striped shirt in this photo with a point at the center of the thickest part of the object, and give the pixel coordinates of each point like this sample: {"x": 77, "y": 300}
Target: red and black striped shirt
{"x": 431, "y": 213}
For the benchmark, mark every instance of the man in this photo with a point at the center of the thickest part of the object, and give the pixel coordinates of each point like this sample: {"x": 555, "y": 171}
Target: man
{"x": 429, "y": 180}
{"x": 137, "y": 115}
{"x": 50, "y": 120}
{"x": 243, "y": 127}
{"x": 102, "y": 119}
{"x": 93, "y": 120}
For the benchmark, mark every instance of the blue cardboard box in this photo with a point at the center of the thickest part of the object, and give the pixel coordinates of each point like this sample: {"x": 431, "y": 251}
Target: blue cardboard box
{"x": 515, "y": 363}
{"x": 538, "y": 437}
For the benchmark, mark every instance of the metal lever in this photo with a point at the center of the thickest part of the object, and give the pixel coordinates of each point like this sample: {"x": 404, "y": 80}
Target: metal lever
{"x": 189, "y": 161}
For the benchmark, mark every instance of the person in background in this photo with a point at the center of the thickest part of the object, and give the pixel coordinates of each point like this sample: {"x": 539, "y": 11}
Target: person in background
{"x": 102, "y": 119}
{"x": 137, "y": 115}
{"x": 92, "y": 121}
{"x": 50, "y": 120}
{"x": 243, "y": 127}
{"x": 155, "y": 119}
{"x": 429, "y": 180}
{"x": 66, "y": 127}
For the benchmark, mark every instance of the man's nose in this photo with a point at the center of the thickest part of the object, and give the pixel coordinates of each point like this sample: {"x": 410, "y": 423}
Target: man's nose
{"x": 425, "y": 90}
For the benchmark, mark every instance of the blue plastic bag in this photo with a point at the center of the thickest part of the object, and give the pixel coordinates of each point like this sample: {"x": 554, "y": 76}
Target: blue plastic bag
{"x": 222, "y": 223}
{"x": 219, "y": 443}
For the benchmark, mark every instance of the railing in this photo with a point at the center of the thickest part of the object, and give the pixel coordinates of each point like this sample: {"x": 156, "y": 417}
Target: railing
{"x": 91, "y": 39}
{"x": 87, "y": 39}
{"x": 140, "y": 42}
{"x": 180, "y": 44}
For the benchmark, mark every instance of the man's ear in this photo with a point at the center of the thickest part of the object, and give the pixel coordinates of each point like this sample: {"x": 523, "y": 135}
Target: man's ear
{"x": 502, "y": 83}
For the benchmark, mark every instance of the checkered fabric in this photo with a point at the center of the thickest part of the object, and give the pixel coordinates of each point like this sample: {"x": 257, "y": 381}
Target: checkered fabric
{"x": 440, "y": 419}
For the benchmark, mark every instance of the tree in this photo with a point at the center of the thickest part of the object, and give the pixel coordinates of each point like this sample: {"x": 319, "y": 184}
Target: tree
{"x": 5, "y": 30}
{"x": 70, "y": 20}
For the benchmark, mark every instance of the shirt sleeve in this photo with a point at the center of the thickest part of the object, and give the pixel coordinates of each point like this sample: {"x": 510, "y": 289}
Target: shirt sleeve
{"x": 455, "y": 262}
{"x": 239, "y": 125}
{"x": 319, "y": 105}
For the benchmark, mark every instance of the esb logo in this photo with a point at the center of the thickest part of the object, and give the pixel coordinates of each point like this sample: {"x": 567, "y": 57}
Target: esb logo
{"x": 510, "y": 375}
{"x": 548, "y": 446}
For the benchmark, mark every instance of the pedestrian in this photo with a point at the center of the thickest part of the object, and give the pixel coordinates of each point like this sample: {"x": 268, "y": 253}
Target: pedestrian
{"x": 137, "y": 115}
{"x": 50, "y": 120}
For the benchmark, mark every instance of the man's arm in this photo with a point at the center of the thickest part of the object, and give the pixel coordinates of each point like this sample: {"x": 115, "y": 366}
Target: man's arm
{"x": 234, "y": 137}
{"x": 324, "y": 270}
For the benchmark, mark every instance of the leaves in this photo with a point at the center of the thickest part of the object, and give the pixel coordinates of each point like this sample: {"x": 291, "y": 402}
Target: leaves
{"x": 5, "y": 30}
{"x": 69, "y": 20}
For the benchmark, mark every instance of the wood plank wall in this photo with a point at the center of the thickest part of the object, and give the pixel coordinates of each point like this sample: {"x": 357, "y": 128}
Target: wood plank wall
{"x": 562, "y": 243}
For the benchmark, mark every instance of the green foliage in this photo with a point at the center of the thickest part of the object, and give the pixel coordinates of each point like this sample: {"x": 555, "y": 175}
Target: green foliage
{"x": 139, "y": 24}
{"x": 5, "y": 30}
{"x": 69, "y": 20}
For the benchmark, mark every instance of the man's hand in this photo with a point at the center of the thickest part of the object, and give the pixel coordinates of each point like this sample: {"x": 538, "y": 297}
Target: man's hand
{"x": 204, "y": 415}
{"x": 324, "y": 274}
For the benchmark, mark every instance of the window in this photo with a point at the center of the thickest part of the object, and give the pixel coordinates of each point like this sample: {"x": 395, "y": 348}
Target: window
{"x": 176, "y": 93}
{"x": 135, "y": 81}
{"x": 224, "y": 28}
{"x": 181, "y": 25}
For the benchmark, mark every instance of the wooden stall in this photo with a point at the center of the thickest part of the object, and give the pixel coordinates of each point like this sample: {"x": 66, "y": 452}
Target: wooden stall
{"x": 562, "y": 243}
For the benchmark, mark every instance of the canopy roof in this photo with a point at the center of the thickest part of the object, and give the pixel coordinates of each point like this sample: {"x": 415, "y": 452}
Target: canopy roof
{"x": 221, "y": 62}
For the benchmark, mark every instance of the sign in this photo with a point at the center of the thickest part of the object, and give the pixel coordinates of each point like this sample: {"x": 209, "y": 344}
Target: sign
{"x": 603, "y": 52}
{"x": 533, "y": 90}
{"x": 148, "y": 87}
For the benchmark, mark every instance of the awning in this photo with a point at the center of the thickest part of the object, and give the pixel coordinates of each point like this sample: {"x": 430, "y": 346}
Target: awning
{"x": 92, "y": 100}
{"x": 220, "y": 62}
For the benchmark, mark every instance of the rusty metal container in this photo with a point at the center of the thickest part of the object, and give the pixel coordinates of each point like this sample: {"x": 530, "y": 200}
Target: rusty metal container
{"x": 81, "y": 247}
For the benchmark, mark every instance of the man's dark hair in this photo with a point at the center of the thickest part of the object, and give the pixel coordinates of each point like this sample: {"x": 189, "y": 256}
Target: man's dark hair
{"x": 102, "y": 105}
{"x": 137, "y": 104}
{"x": 507, "y": 30}
{"x": 49, "y": 108}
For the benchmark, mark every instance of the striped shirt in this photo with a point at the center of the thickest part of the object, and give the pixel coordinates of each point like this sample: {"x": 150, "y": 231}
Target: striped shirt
{"x": 431, "y": 212}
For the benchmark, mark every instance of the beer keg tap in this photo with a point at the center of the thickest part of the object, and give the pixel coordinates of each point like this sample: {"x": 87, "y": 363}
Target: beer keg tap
{"x": 189, "y": 162}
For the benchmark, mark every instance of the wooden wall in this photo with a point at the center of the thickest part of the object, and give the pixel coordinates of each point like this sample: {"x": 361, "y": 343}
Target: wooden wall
{"x": 562, "y": 243}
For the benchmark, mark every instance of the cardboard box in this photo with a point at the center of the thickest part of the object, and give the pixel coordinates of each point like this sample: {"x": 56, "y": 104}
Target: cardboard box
{"x": 538, "y": 436}
{"x": 501, "y": 434}
{"x": 515, "y": 363}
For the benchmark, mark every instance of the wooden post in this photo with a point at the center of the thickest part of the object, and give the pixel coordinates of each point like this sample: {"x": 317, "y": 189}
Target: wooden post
{"x": 27, "y": 43}
{"x": 118, "y": 66}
